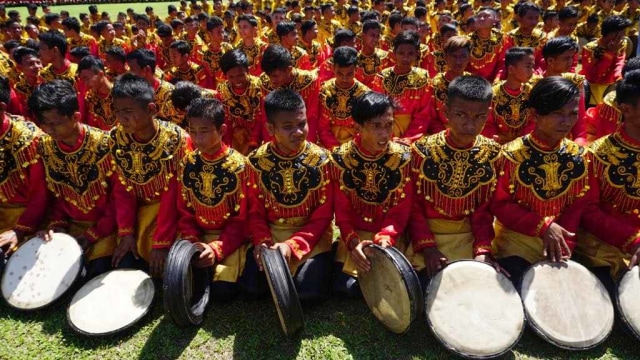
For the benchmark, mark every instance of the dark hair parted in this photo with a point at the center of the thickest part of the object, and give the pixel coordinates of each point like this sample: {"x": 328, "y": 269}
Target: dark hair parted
{"x": 558, "y": 45}
{"x": 345, "y": 56}
{"x": 233, "y": 58}
{"x": 54, "y": 39}
{"x": 209, "y": 109}
{"x": 407, "y": 38}
{"x": 183, "y": 93}
{"x": 129, "y": 86}
{"x": 614, "y": 23}
{"x": 470, "y": 88}
{"x": 275, "y": 57}
{"x": 371, "y": 105}
{"x": 92, "y": 63}
{"x": 281, "y": 100}
{"x": 552, "y": 93}
{"x": 144, "y": 58}
{"x": 54, "y": 95}
{"x": 516, "y": 54}
{"x": 628, "y": 89}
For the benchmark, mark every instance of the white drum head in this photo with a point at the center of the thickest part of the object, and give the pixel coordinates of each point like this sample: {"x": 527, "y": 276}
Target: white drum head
{"x": 567, "y": 305}
{"x": 40, "y": 272}
{"x": 111, "y": 302}
{"x": 628, "y": 295}
{"x": 474, "y": 310}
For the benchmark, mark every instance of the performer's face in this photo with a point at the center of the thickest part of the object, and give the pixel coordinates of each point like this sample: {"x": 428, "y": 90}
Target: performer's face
{"x": 561, "y": 63}
{"x": 631, "y": 116}
{"x": 522, "y": 70}
{"x": 205, "y": 136}
{"x": 61, "y": 128}
{"x": 371, "y": 38}
{"x": 466, "y": 120}
{"x": 457, "y": 60}
{"x": 376, "y": 133}
{"x": 344, "y": 76}
{"x": 289, "y": 129}
{"x": 237, "y": 77}
{"x": 134, "y": 117}
{"x": 555, "y": 126}
{"x": 406, "y": 55}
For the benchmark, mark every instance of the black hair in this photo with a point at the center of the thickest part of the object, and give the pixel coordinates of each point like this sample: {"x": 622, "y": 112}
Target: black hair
{"x": 79, "y": 52}
{"x": 275, "y": 57}
{"x": 183, "y": 93}
{"x": 552, "y": 93}
{"x": 410, "y": 20}
{"x": 92, "y": 63}
{"x": 72, "y": 24}
{"x": 526, "y": 6}
{"x": 248, "y": 18}
{"x": 345, "y": 56}
{"x": 448, "y": 28}
{"x": 164, "y": 30}
{"x": 284, "y": 28}
{"x": 324, "y": 7}
{"x": 395, "y": 18}
{"x": 142, "y": 17}
{"x": 420, "y": 11}
{"x": 306, "y": 26}
{"x": 470, "y": 88}
{"x": 5, "y": 90}
{"x": 54, "y": 39}
{"x": 118, "y": 53}
{"x": 628, "y": 89}
{"x": 371, "y": 24}
{"x": 171, "y": 8}
{"x": 32, "y": 6}
{"x": 214, "y": 22}
{"x": 129, "y": 86}
{"x": 101, "y": 25}
{"x": 10, "y": 45}
{"x": 568, "y": 12}
{"x": 51, "y": 17}
{"x": 614, "y": 23}
{"x": 175, "y": 23}
{"x": 209, "y": 109}
{"x": 144, "y": 58}
{"x": 232, "y": 59}
{"x": 593, "y": 19}
{"x": 279, "y": 10}
{"x": 341, "y": 36}
{"x": 631, "y": 65}
{"x": 181, "y": 46}
{"x": 549, "y": 14}
{"x": 281, "y": 100}
{"x": 370, "y": 105}
{"x": 352, "y": 10}
{"x": 370, "y": 15}
{"x": 407, "y": 38}
{"x": 54, "y": 95}
{"x": 190, "y": 19}
{"x": 558, "y": 45}
{"x": 93, "y": 9}
{"x": 515, "y": 54}
{"x": 22, "y": 51}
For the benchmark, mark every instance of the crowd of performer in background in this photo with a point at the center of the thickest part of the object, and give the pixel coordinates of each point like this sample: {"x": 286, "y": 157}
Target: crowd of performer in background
{"x": 503, "y": 132}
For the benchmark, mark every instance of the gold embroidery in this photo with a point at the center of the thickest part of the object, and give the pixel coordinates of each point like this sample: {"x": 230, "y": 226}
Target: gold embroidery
{"x": 340, "y": 101}
{"x": 16, "y": 153}
{"x": 395, "y": 84}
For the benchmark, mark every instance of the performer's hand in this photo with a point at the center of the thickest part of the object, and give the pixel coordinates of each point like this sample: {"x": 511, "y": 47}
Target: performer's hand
{"x": 635, "y": 257}
{"x": 489, "y": 259}
{"x": 284, "y": 249}
{"x": 127, "y": 244}
{"x": 434, "y": 260}
{"x": 207, "y": 256}
{"x": 257, "y": 255}
{"x": 9, "y": 241}
{"x": 384, "y": 241}
{"x": 156, "y": 261}
{"x": 555, "y": 248}
{"x": 359, "y": 258}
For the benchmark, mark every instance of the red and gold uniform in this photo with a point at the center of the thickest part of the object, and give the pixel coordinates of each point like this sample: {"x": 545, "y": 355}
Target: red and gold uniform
{"x": 453, "y": 190}
{"x": 104, "y": 46}
{"x": 196, "y": 43}
{"x": 69, "y": 73}
{"x": 163, "y": 57}
{"x": 386, "y": 42}
{"x": 23, "y": 190}
{"x": 317, "y": 53}
{"x": 326, "y": 30}
{"x": 438, "y": 98}
{"x": 372, "y": 195}
{"x": 85, "y": 40}
{"x": 411, "y": 118}
{"x": 254, "y": 55}
{"x": 435, "y": 62}
{"x": 487, "y": 55}
{"x": 271, "y": 37}
{"x": 604, "y": 119}
{"x": 536, "y": 40}
{"x": 162, "y": 99}
{"x": 81, "y": 179}
{"x": 146, "y": 192}
{"x": 372, "y": 65}
{"x": 212, "y": 203}
{"x": 307, "y": 85}
{"x": 100, "y": 113}
{"x": 538, "y": 185}
{"x": 196, "y": 74}
{"x": 601, "y": 68}
{"x": 210, "y": 59}
{"x": 291, "y": 200}
{"x": 510, "y": 117}
{"x": 336, "y": 125}
{"x": 300, "y": 58}
{"x": 612, "y": 224}
{"x": 23, "y": 90}
{"x": 243, "y": 112}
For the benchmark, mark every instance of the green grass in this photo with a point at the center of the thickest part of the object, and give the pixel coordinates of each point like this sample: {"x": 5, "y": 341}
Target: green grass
{"x": 159, "y": 8}
{"x": 338, "y": 329}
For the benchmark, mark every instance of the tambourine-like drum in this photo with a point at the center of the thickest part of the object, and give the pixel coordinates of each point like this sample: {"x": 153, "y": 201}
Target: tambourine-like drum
{"x": 627, "y": 300}
{"x": 474, "y": 310}
{"x": 283, "y": 291}
{"x": 186, "y": 288}
{"x": 567, "y": 305}
{"x": 391, "y": 288}
{"x": 40, "y": 272}
{"x": 111, "y": 302}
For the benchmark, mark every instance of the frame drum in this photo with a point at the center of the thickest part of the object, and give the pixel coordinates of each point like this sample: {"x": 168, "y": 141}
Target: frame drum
{"x": 111, "y": 302}
{"x": 567, "y": 305}
{"x": 40, "y": 272}
{"x": 391, "y": 288}
{"x": 474, "y": 310}
{"x": 627, "y": 300}
{"x": 283, "y": 291}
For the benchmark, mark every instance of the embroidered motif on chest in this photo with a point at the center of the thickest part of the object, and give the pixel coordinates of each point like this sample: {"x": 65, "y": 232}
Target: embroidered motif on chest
{"x": 623, "y": 167}
{"x": 209, "y": 183}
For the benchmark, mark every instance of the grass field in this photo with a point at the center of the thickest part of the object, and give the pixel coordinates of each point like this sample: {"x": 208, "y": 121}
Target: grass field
{"x": 338, "y": 329}
{"x": 159, "y": 8}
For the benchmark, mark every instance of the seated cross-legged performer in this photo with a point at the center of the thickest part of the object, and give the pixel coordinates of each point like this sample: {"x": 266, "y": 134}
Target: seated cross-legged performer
{"x": 454, "y": 172}
{"x": 146, "y": 152}
{"x": 78, "y": 171}
{"x": 291, "y": 201}
{"x": 212, "y": 199}
{"x": 372, "y": 189}
{"x": 540, "y": 195}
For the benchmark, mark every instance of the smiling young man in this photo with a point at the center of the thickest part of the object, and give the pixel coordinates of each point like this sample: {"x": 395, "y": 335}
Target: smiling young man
{"x": 371, "y": 59}
{"x": 488, "y": 46}
{"x": 372, "y": 188}
{"x": 98, "y": 100}
{"x": 291, "y": 200}
{"x": 216, "y": 47}
{"x": 451, "y": 218}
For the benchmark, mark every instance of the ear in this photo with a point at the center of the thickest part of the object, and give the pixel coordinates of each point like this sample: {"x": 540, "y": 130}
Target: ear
{"x": 270, "y": 128}
{"x": 76, "y": 116}
{"x": 152, "y": 107}
{"x": 624, "y": 109}
{"x": 223, "y": 130}
{"x": 358, "y": 127}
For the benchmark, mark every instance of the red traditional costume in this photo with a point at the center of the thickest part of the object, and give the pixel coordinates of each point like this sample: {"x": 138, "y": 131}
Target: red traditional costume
{"x": 372, "y": 65}
{"x": 336, "y": 125}
{"x": 604, "y": 119}
{"x": 601, "y": 67}
{"x": 487, "y": 55}
{"x": 510, "y": 117}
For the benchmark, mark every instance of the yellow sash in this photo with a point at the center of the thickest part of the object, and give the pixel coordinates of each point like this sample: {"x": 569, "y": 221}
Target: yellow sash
{"x": 9, "y": 216}
{"x": 103, "y": 246}
{"x": 147, "y": 217}
{"x": 592, "y": 252}
{"x": 283, "y": 232}
{"x": 511, "y": 243}
{"x": 401, "y": 124}
{"x": 453, "y": 239}
{"x": 232, "y": 266}
{"x": 597, "y": 93}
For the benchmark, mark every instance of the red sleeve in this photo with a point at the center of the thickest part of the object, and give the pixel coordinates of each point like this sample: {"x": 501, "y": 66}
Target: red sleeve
{"x": 234, "y": 232}
{"x": 419, "y": 231}
{"x": 167, "y": 222}
{"x": 325, "y": 72}
{"x": 436, "y": 121}
{"x": 304, "y": 63}
{"x": 599, "y": 71}
{"x": 188, "y": 228}
{"x": 490, "y": 127}
{"x": 15, "y": 106}
{"x": 482, "y": 229}
{"x": 58, "y": 216}
{"x": 344, "y": 214}
{"x": 376, "y": 85}
{"x": 579, "y": 130}
{"x": 127, "y": 209}
{"x": 258, "y": 218}
{"x": 419, "y": 119}
{"x": 592, "y": 119}
{"x": 312, "y": 103}
{"x": 105, "y": 225}
{"x": 93, "y": 47}
{"x": 38, "y": 199}
{"x": 324, "y": 127}
{"x": 397, "y": 217}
